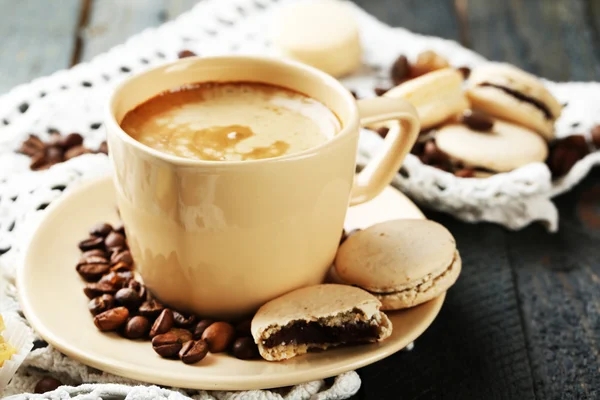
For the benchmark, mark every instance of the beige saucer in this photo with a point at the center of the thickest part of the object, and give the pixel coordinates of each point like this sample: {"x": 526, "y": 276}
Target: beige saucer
{"x": 63, "y": 320}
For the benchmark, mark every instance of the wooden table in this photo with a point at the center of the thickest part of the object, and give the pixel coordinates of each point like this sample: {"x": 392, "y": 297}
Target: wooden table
{"x": 523, "y": 322}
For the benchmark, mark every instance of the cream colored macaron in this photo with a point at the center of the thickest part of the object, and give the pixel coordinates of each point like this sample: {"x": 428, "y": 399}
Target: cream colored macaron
{"x": 318, "y": 317}
{"x": 437, "y": 96}
{"x": 507, "y": 92}
{"x": 403, "y": 263}
{"x": 504, "y": 148}
{"x": 321, "y": 33}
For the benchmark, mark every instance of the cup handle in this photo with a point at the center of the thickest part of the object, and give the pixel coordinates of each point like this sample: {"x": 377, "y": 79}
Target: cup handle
{"x": 404, "y": 125}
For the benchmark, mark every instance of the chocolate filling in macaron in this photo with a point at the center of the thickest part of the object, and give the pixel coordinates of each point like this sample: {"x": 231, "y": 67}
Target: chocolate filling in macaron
{"x": 522, "y": 97}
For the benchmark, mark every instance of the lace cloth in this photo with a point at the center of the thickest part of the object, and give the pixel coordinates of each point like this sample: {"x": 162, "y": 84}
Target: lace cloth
{"x": 73, "y": 101}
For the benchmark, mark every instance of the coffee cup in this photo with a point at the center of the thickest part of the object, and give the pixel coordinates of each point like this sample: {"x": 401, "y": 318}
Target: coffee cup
{"x": 221, "y": 238}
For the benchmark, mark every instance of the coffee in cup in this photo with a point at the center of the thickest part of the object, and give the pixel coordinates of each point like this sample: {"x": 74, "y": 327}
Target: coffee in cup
{"x": 231, "y": 121}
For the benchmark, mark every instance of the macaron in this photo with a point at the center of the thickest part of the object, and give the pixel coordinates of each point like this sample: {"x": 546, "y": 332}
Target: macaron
{"x": 437, "y": 96}
{"x": 507, "y": 92}
{"x": 323, "y": 34}
{"x": 402, "y": 263}
{"x": 318, "y": 317}
{"x": 504, "y": 147}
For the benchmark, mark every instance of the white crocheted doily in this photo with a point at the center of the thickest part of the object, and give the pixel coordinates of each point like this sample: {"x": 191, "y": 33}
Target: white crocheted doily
{"x": 73, "y": 101}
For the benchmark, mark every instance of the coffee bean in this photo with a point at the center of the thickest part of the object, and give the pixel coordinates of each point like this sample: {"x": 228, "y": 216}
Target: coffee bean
{"x": 137, "y": 327}
{"x": 114, "y": 239}
{"x": 219, "y": 336}
{"x": 186, "y": 53}
{"x": 432, "y": 155}
{"x": 562, "y": 158}
{"x": 39, "y": 162}
{"x": 121, "y": 267}
{"x": 243, "y": 328}
{"x": 92, "y": 290}
{"x": 92, "y": 243}
{"x": 193, "y": 351}
{"x": 465, "y": 71}
{"x": 117, "y": 279}
{"x": 379, "y": 91}
{"x": 244, "y": 348}
{"x": 400, "y": 70}
{"x": 477, "y": 120}
{"x": 151, "y": 309}
{"x": 596, "y": 136}
{"x": 92, "y": 260}
{"x": 92, "y": 272}
{"x": 163, "y": 323}
{"x": 101, "y": 229}
{"x": 54, "y": 154}
{"x": 32, "y": 145}
{"x": 95, "y": 253}
{"x": 428, "y": 61}
{"x": 418, "y": 148}
{"x": 100, "y": 304}
{"x": 576, "y": 142}
{"x": 47, "y": 384}
{"x": 103, "y": 148}
{"x": 55, "y": 138}
{"x": 183, "y": 335}
{"x": 184, "y": 321}
{"x": 383, "y": 131}
{"x": 120, "y": 228}
{"x": 121, "y": 255}
{"x": 201, "y": 327}
{"x": 111, "y": 319}
{"x": 70, "y": 140}
{"x": 465, "y": 173}
{"x": 128, "y": 297}
{"x": 138, "y": 287}
{"x": 166, "y": 345}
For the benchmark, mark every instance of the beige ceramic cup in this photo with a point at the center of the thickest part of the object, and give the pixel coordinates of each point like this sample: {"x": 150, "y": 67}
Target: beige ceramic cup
{"x": 220, "y": 238}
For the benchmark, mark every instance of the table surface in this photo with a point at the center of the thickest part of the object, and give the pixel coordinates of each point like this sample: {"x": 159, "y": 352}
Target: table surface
{"x": 523, "y": 321}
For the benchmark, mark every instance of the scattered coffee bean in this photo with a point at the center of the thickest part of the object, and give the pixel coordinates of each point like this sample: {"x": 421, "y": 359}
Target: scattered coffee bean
{"x": 137, "y": 327}
{"x": 183, "y": 335}
{"x": 121, "y": 267}
{"x": 95, "y": 253}
{"x": 100, "y": 304}
{"x": 595, "y": 133}
{"x": 193, "y": 351}
{"x": 201, "y": 327}
{"x": 70, "y": 140}
{"x": 114, "y": 239}
{"x": 243, "y": 328}
{"x": 93, "y": 271}
{"x": 379, "y": 91}
{"x": 129, "y": 298}
{"x": 576, "y": 142}
{"x": 400, "y": 70}
{"x": 123, "y": 256}
{"x": 151, "y": 309}
{"x": 166, "y": 345}
{"x": 244, "y": 348}
{"x": 432, "y": 155}
{"x": 184, "y": 321}
{"x": 185, "y": 54}
{"x": 32, "y": 145}
{"x": 465, "y": 173}
{"x": 383, "y": 131}
{"x": 101, "y": 229}
{"x": 75, "y": 152}
{"x": 92, "y": 290}
{"x": 564, "y": 154}
{"x": 47, "y": 384}
{"x": 39, "y": 162}
{"x": 219, "y": 336}
{"x": 111, "y": 319}
{"x": 163, "y": 323}
{"x": 55, "y": 138}
{"x": 427, "y": 61}
{"x": 477, "y": 120}
{"x": 92, "y": 243}
{"x": 55, "y": 154}
{"x": 465, "y": 71}
{"x": 138, "y": 287}
{"x": 117, "y": 279}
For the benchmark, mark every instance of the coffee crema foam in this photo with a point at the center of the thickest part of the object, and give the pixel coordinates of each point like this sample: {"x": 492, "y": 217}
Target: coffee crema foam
{"x": 232, "y": 121}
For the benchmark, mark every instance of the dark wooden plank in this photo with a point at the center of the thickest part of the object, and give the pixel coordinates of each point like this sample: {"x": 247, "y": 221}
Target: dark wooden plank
{"x": 429, "y": 17}
{"x": 476, "y": 347}
{"x": 553, "y": 39}
{"x": 37, "y": 39}
{"x": 558, "y": 277}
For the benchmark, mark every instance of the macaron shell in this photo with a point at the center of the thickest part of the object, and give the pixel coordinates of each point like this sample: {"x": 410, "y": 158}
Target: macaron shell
{"x": 323, "y": 34}
{"x": 394, "y": 255}
{"x": 429, "y": 289}
{"x": 311, "y": 303}
{"x": 504, "y": 149}
{"x": 437, "y": 96}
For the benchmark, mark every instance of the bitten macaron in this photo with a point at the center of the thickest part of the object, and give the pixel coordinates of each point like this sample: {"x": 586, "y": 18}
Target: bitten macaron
{"x": 507, "y": 92}
{"x": 402, "y": 263}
